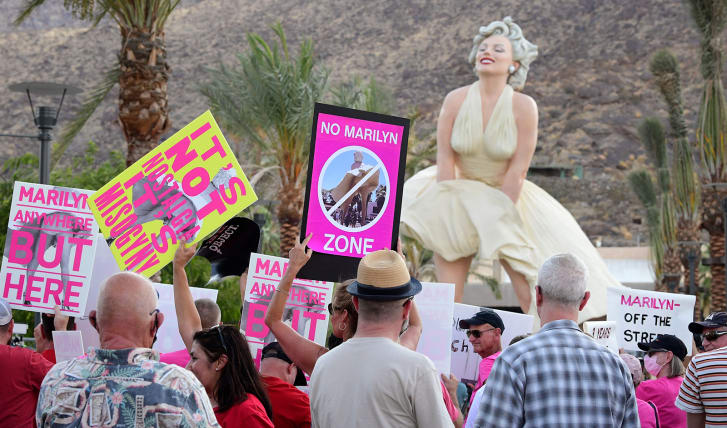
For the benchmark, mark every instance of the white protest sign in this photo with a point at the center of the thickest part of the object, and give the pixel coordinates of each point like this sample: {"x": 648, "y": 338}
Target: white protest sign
{"x": 603, "y": 332}
{"x": 305, "y": 310}
{"x": 104, "y": 266}
{"x": 20, "y": 329}
{"x": 67, "y": 345}
{"x": 640, "y": 315}
{"x": 168, "y": 337}
{"x": 465, "y": 363}
{"x": 435, "y": 304}
{"x": 49, "y": 249}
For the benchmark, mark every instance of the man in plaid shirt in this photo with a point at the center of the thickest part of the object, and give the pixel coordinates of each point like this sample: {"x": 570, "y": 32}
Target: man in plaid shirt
{"x": 559, "y": 377}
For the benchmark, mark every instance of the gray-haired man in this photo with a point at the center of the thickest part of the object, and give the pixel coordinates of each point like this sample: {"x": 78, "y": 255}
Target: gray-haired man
{"x": 559, "y": 376}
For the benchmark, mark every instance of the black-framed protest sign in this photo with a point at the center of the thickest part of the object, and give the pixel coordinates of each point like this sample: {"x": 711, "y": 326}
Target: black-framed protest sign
{"x": 353, "y": 192}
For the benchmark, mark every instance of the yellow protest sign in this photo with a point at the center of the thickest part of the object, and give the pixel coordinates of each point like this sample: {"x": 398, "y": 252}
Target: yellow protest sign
{"x": 183, "y": 189}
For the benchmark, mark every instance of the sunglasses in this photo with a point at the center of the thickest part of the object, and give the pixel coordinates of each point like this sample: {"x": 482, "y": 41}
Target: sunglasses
{"x": 478, "y": 333}
{"x": 222, "y": 338}
{"x": 713, "y": 335}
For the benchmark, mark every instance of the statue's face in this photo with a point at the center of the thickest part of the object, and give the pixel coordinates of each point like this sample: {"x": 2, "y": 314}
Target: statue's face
{"x": 494, "y": 56}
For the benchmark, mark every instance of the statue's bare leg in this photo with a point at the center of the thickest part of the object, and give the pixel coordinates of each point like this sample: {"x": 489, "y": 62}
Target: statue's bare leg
{"x": 453, "y": 272}
{"x": 520, "y": 285}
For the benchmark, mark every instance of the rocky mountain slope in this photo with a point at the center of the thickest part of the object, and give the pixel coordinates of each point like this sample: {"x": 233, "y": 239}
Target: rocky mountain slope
{"x": 591, "y": 80}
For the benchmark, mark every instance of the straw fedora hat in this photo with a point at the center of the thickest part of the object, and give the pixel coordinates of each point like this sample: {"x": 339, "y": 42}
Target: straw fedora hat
{"x": 383, "y": 276}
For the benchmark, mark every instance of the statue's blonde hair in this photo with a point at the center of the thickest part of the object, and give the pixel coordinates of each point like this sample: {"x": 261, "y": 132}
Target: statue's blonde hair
{"x": 523, "y": 51}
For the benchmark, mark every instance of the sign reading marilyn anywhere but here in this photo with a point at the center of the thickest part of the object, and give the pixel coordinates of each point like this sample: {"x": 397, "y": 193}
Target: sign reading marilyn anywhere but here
{"x": 49, "y": 249}
{"x": 183, "y": 189}
{"x": 640, "y": 315}
{"x": 353, "y": 196}
{"x": 465, "y": 362}
{"x": 305, "y": 310}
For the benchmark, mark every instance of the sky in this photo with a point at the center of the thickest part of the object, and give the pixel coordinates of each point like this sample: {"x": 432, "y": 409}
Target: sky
{"x": 338, "y": 168}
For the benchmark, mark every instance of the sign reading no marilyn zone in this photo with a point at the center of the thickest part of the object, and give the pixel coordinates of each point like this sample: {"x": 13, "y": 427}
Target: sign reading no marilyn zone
{"x": 640, "y": 315}
{"x": 49, "y": 249}
{"x": 353, "y": 198}
{"x": 183, "y": 189}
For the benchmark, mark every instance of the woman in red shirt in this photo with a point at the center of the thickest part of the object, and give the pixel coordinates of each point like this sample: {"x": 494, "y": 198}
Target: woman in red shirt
{"x": 221, "y": 360}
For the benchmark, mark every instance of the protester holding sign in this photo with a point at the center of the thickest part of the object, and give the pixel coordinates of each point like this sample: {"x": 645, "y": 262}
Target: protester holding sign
{"x": 663, "y": 359}
{"x": 302, "y": 351}
{"x": 401, "y": 388}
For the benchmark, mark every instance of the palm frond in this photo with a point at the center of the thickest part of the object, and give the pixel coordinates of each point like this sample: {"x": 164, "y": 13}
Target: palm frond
{"x": 665, "y": 68}
{"x": 685, "y": 188}
{"x": 712, "y": 129}
{"x": 651, "y": 134}
{"x": 93, "y": 99}
{"x": 26, "y": 10}
{"x": 268, "y": 98}
{"x": 643, "y": 186}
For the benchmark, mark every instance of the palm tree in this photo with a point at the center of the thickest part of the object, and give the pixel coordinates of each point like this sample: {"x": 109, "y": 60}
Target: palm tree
{"x": 660, "y": 206}
{"x": 710, "y": 17}
{"x": 268, "y": 97}
{"x": 685, "y": 189}
{"x": 141, "y": 71}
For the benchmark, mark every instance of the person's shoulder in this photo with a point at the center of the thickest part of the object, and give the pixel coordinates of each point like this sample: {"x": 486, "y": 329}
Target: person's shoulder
{"x": 715, "y": 354}
{"x": 455, "y": 98}
{"x": 524, "y": 106}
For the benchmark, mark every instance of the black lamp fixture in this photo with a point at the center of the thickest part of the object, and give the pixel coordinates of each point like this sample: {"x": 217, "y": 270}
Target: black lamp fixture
{"x": 46, "y": 117}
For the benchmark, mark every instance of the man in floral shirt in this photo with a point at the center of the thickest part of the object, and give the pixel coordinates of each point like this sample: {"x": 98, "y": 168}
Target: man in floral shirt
{"x": 123, "y": 384}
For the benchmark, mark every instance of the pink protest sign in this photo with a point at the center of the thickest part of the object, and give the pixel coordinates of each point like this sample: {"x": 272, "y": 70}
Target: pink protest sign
{"x": 353, "y": 200}
{"x": 49, "y": 249}
{"x": 305, "y": 310}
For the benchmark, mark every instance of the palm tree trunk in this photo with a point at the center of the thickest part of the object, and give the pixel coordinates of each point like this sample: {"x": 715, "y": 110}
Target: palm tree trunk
{"x": 289, "y": 216}
{"x": 717, "y": 250}
{"x": 143, "y": 90}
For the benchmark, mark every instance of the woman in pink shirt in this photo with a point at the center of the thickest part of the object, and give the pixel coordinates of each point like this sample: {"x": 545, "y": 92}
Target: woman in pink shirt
{"x": 647, "y": 410}
{"x": 663, "y": 360}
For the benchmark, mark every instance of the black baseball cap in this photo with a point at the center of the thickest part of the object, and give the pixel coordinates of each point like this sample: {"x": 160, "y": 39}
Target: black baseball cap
{"x": 485, "y": 316}
{"x": 714, "y": 320}
{"x": 666, "y": 342}
{"x": 274, "y": 350}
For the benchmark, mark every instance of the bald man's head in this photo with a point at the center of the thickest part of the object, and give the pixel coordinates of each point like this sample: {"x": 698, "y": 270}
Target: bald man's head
{"x": 209, "y": 312}
{"x": 125, "y": 310}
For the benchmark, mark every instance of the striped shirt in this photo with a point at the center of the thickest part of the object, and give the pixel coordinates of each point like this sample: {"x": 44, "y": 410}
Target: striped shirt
{"x": 704, "y": 389}
{"x": 558, "y": 377}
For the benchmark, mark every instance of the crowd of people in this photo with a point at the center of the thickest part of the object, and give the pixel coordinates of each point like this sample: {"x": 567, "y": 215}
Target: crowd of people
{"x": 558, "y": 376}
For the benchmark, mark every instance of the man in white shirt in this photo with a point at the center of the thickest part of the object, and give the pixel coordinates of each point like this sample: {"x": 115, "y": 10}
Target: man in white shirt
{"x": 370, "y": 380}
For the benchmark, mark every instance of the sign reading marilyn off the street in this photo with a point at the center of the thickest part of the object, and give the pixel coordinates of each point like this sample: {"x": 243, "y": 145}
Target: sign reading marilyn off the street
{"x": 353, "y": 195}
{"x": 640, "y": 315}
{"x": 49, "y": 249}
{"x": 185, "y": 188}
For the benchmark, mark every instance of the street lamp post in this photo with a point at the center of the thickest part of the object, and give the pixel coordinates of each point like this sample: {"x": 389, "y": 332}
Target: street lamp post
{"x": 45, "y": 120}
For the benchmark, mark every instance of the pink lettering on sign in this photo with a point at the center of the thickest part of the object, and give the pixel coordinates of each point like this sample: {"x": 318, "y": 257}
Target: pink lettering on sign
{"x": 648, "y": 302}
